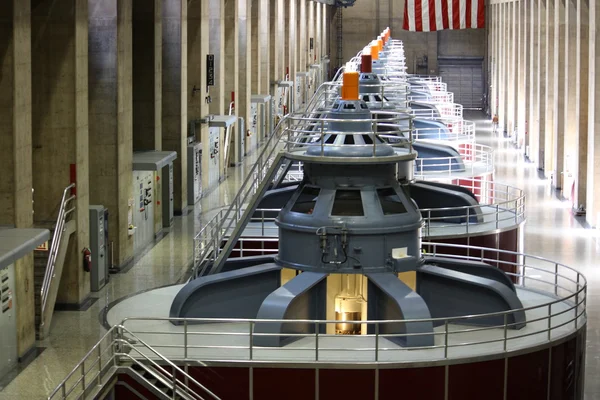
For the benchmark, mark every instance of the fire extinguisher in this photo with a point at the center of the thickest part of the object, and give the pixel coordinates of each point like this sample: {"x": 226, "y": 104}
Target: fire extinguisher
{"x": 87, "y": 259}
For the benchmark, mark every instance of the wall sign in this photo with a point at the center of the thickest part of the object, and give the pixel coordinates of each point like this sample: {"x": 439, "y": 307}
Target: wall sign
{"x": 210, "y": 70}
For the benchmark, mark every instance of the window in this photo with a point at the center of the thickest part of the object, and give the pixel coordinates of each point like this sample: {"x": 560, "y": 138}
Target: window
{"x": 390, "y": 201}
{"x": 347, "y": 203}
{"x": 305, "y": 203}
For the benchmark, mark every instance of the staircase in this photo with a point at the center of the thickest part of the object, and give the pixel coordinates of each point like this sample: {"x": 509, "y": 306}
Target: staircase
{"x": 40, "y": 262}
{"x": 155, "y": 381}
{"x": 123, "y": 362}
{"x": 48, "y": 265}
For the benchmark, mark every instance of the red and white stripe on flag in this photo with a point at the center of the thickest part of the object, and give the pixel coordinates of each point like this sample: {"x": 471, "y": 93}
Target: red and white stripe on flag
{"x": 436, "y": 15}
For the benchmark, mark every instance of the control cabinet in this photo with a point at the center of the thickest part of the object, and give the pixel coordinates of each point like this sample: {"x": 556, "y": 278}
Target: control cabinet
{"x": 167, "y": 195}
{"x": 143, "y": 209}
{"x": 194, "y": 173}
{"x": 99, "y": 247}
{"x": 8, "y": 324}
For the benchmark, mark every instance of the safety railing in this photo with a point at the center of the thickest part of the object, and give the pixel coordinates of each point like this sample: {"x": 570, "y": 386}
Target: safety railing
{"x": 560, "y": 309}
{"x": 477, "y": 160}
{"x": 500, "y": 206}
{"x": 120, "y": 348}
{"x": 435, "y": 97}
{"x": 66, "y": 208}
{"x": 385, "y": 95}
{"x": 303, "y": 133}
{"x": 207, "y": 241}
{"x": 449, "y": 112}
{"x": 462, "y": 131}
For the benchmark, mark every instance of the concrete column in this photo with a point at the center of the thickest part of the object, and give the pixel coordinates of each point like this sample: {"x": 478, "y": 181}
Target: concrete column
{"x": 550, "y": 90}
{"x": 542, "y": 59}
{"x": 217, "y": 48}
{"x": 532, "y": 134}
{"x": 325, "y": 24}
{"x": 231, "y": 50}
{"x": 311, "y": 31}
{"x": 581, "y": 87}
{"x": 522, "y": 47}
{"x": 319, "y": 31}
{"x": 174, "y": 95}
{"x": 527, "y": 84}
{"x": 495, "y": 59}
{"x": 559, "y": 89}
{"x": 257, "y": 49}
{"x": 292, "y": 42}
{"x": 147, "y": 75}
{"x": 512, "y": 67}
{"x": 111, "y": 116}
{"x": 16, "y": 208}
{"x": 277, "y": 40}
{"x": 302, "y": 40}
{"x": 593, "y": 147}
{"x": 571, "y": 104}
{"x": 198, "y": 48}
{"x": 264, "y": 33}
{"x": 60, "y": 126}
{"x": 244, "y": 93}
{"x": 502, "y": 68}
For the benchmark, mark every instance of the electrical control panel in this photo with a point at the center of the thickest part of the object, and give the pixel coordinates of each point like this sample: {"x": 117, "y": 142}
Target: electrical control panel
{"x": 8, "y": 325}
{"x": 194, "y": 173}
{"x": 143, "y": 210}
{"x": 99, "y": 247}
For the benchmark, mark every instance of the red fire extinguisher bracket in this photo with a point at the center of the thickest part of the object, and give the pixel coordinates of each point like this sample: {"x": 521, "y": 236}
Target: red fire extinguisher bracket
{"x": 87, "y": 259}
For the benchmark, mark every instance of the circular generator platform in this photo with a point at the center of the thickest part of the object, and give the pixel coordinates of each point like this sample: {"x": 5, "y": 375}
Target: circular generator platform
{"x": 467, "y": 361}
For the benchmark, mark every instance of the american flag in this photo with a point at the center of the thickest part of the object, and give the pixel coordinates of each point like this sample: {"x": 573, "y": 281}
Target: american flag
{"x": 436, "y": 15}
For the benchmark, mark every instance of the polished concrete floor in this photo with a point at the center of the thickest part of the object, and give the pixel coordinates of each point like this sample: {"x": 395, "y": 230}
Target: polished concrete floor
{"x": 551, "y": 231}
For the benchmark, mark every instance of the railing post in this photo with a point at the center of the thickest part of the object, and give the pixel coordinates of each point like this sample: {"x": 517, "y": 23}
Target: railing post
{"x": 497, "y": 216}
{"x": 577, "y": 301}
{"x": 322, "y": 138}
{"x": 377, "y": 341}
{"x": 316, "y": 340}
{"x": 505, "y": 330}
{"x": 556, "y": 279}
{"x": 429, "y": 222}
{"x": 185, "y": 339}
{"x": 446, "y": 339}
{"x": 100, "y": 363}
{"x": 550, "y": 322}
{"x": 251, "y": 339}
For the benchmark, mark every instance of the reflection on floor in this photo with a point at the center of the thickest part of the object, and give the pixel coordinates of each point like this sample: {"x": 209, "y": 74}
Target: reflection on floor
{"x": 551, "y": 231}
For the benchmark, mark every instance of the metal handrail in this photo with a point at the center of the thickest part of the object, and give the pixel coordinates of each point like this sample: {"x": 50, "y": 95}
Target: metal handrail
{"x": 211, "y": 244}
{"x": 479, "y": 159}
{"x": 456, "y": 131}
{"x": 505, "y": 204}
{"x": 122, "y": 341}
{"x": 566, "y": 287}
{"x": 61, "y": 220}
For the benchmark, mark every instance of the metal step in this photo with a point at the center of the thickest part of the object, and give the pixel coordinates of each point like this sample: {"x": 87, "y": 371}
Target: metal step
{"x": 158, "y": 381}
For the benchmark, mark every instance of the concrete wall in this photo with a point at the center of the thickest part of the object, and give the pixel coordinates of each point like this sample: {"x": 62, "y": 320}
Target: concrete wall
{"x": 7, "y": 184}
{"x": 59, "y": 44}
{"x": 174, "y": 94}
{"x": 15, "y": 152}
{"x": 147, "y": 80}
{"x": 365, "y": 20}
{"x": 110, "y": 133}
